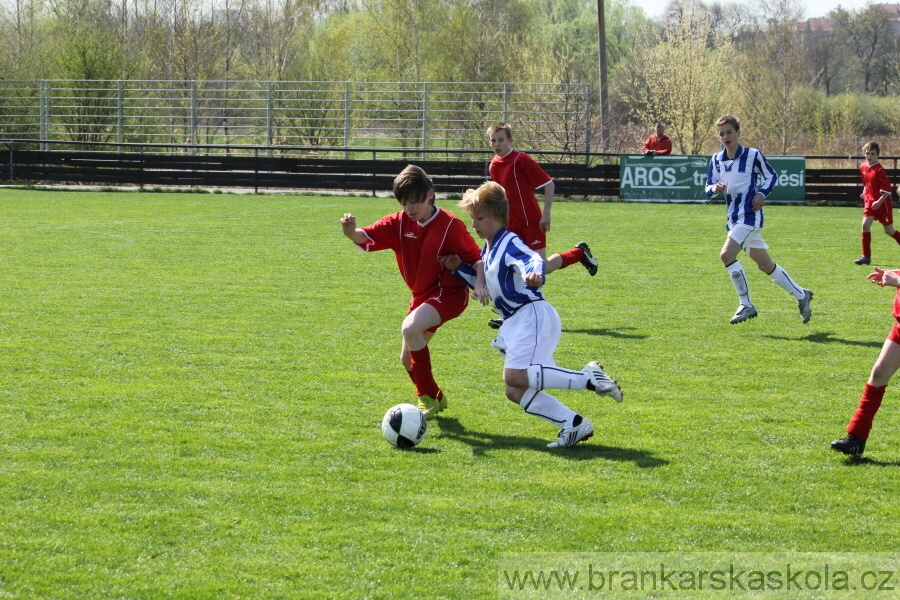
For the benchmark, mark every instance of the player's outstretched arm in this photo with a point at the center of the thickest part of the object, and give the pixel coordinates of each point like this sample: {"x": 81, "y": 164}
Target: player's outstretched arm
{"x": 348, "y": 227}
{"x": 884, "y": 278}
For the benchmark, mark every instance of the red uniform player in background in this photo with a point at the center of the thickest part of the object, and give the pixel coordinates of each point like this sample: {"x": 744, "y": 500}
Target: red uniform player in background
{"x": 876, "y": 197}
{"x": 519, "y": 176}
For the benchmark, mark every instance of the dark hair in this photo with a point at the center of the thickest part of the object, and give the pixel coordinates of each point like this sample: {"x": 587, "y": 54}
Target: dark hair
{"x": 874, "y": 147}
{"x": 412, "y": 185}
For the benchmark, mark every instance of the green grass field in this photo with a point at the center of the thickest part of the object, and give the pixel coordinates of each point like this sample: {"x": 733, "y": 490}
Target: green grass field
{"x": 191, "y": 391}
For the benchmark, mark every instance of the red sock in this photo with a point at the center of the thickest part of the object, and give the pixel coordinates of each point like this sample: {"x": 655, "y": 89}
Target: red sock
{"x": 412, "y": 376}
{"x": 867, "y": 243}
{"x": 422, "y": 375}
{"x": 573, "y": 256}
{"x": 896, "y": 236}
{"x": 861, "y": 423}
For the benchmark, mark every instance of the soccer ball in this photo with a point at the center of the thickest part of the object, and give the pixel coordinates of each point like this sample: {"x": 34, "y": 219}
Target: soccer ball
{"x": 404, "y": 426}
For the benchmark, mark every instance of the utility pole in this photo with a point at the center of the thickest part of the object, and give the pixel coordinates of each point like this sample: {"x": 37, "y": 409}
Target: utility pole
{"x": 604, "y": 96}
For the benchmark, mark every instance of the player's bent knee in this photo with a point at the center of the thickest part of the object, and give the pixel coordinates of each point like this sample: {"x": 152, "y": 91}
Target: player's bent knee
{"x": 514, "y": 394}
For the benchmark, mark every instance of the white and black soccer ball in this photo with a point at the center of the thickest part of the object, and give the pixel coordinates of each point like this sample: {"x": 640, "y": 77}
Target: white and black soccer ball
{"x": 404, "y": 426}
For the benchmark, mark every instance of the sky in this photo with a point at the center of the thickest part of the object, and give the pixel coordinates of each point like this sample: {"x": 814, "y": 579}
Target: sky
{"x": 812, "y": 8}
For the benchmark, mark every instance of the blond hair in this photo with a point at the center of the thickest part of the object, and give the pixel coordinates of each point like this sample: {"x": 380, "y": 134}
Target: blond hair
{"x": 489, "y": 200}
{"x": 729, "y": 120}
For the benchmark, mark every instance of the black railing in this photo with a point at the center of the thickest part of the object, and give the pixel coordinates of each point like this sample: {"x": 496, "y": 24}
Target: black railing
{"x": 577, "y": 175}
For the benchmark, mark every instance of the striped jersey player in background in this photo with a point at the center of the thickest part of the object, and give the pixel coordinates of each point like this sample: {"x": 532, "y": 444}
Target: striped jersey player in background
{"x": 747, "y": 178}
{"x": 531, "y": 329}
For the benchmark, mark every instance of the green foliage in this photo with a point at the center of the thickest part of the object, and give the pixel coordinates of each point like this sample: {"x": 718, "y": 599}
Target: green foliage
{"x": 681, "y": 81}
{"x": 192, "y": 388}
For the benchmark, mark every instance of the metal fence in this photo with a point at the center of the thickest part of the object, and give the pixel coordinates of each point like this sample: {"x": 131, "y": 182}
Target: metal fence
{"x": 308, "y": 114}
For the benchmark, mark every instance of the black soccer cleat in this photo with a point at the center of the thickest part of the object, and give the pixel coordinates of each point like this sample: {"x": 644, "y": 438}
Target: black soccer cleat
{"x": 850, "y": 445}
{"x": 495, "y": 323}
{"x": 863, "y": 260}
{"x": 588, "y": 260}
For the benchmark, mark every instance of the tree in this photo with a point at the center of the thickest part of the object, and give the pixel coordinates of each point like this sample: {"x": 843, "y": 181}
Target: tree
{"x": 23, "y": 27}
{"x": 681, "y": 80}
{"x": 273, "y": 34}
{"x": 870, "y": 36}
{"x": 770, "y": 59}
{"x": 826, "y": 54}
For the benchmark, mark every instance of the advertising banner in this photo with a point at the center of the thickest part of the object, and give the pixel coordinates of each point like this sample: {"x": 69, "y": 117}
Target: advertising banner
{"x": 683, "y": 178}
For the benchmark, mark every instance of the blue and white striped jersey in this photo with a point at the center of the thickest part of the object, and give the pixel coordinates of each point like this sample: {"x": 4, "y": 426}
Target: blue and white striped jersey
{"x": 506, "y": 262}
{"x": 744, "y": 176}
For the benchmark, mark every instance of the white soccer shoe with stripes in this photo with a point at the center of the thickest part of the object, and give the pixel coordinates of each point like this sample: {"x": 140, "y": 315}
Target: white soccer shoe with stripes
{"x": 572, "y": 435}
{"x": 600, "y": 382}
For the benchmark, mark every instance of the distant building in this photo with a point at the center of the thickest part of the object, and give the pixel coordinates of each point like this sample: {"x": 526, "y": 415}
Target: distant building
{"x": 824, "y": 24}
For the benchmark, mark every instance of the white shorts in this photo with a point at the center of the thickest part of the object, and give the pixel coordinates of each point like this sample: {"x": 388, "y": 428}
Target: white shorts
{"x": 748, "y": 237}
{"x": 530, "y": 336}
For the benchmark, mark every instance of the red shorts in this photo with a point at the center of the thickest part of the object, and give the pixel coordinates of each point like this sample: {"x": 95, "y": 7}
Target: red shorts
{"x": 894, "y": 335}
{"x": 532, "y": 235}
{"x": 884, "y": 215}
{"x": 449, "y": 305}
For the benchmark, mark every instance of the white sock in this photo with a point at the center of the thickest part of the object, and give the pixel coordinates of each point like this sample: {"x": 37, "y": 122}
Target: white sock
{"x": 739, "y": 281}
{"x": 781, "y": 277}
{"x": 545, "y": 406}
{"x": 555, "y": 378}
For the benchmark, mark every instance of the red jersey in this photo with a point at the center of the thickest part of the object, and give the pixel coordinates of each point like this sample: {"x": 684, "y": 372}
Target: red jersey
{"x": 417, "y": 247}
{"x": 660, "y": 145}
{"x": 519, "y": 175}
{"x": 875, "y": 183}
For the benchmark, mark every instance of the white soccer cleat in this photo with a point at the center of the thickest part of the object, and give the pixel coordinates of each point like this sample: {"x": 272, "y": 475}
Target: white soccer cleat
{"x": 602, "y": 383}
{"x": 803, "y": 305}
{"x": 572, "y": 435}
{"x": 743, "y": 313}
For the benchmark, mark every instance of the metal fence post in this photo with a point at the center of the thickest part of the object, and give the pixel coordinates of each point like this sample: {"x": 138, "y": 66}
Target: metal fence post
{"x": 505, "y": 103}
{"x": 119, "y": 114}
{"x": 269, "y": 118}
{"x": 587, "y": 126}
{"x": 346, "y": 119}
{"x": 193, "y": 114}
{"x": 45, "y": 113}
{"x": 424, "y": 119}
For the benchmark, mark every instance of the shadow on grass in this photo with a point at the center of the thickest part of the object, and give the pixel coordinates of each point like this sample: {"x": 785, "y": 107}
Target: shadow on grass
{"x": 481, "y": 442}
{"x": 866, "y": 461}
{"x": 614, "y": 333}
{"x": 826, "y": 338}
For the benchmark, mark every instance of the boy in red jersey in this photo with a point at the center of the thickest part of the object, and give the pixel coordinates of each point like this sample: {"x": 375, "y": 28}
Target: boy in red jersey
{"x": 520, "y": 176}
{"x": 876, "y": 197}
{"x": 419, "y": 235}
{"x": 885, "y": 366}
